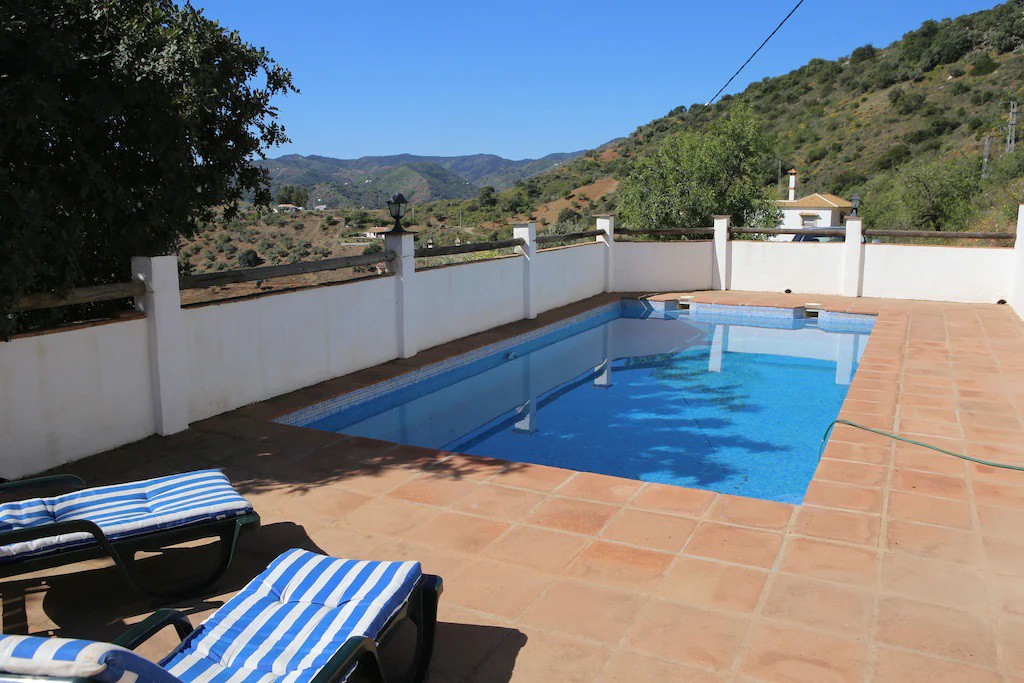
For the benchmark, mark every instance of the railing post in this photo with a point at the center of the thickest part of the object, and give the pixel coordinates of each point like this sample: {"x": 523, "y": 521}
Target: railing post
{"x": 853, "y": 257}
{"x": 528, "y": 233}
{"x": 1017, "y": 285}
{"x": 607, "y": 223}
{"x": 720, "y": 275}
{"x": 166, "y": 328}
{"x": 404, "y": 270}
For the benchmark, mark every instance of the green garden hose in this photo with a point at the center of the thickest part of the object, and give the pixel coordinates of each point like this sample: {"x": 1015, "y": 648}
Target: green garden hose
{"x": 1001, "y": 465}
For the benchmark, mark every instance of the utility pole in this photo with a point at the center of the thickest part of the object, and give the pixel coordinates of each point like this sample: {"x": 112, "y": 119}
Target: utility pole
{"x": 988, "y": 156}
{"x": 460, "y": 218}
{"x": 1011, "y": 129}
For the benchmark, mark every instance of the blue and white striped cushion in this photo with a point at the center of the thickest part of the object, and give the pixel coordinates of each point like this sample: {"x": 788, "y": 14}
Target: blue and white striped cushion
{"x": 291, "y": 619}
{"x": 63, "y": 658}
{"x": 124, "y": 510}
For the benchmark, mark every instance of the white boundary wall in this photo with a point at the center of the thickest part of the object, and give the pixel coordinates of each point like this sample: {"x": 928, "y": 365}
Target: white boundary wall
{"x": 72, "y": 393}
{"x": 811, "y": 267}
{"x": 933, "y": 273}
{"x": 455, "y": 301}
{"x": 568, "y": 274}
{"x": 69, "y": 394}
{"x": 246, "y": 351}
{"x": 663, "y": 266}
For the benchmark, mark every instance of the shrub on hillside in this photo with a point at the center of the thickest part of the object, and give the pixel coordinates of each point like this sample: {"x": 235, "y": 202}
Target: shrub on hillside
{"x": 249, "y": 259}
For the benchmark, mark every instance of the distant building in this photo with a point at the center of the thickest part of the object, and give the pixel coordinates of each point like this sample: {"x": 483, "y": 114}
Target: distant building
{"x": 287, "y": 208}
{"x": 818, "y": 210}
{"x": 320, "y": 207}
{"x": 377, "y": 232}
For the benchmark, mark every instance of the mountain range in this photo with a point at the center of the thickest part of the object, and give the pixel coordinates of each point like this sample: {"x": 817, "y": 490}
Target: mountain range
{"x": 368, "y": 181}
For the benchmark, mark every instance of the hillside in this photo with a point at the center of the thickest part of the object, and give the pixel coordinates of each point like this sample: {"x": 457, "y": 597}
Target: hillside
{"x": 351, "y": 183}
{"x": 856, "y": 124}
{"x": 853, "y": 124}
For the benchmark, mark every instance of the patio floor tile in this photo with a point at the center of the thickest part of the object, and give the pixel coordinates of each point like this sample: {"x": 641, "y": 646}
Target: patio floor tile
{"x": 621, "y": 565}
{"x": 903, "y": 665}
{"x": 763, "y": 514}
{"x": 838, "y": 525}
{"x": 499, "y": 502}
{"x": 688, "y": 634}
{"x": 734, "y": 544}
{"x": 716, "y": 585}
{"x": 539, "y": 548}
{"x": 783, "y": 653}
{"x": 600, "y": 488}
{"x": 576, "y": 516}
{"x": 939, "y": 630}
{"x": 585, "y": 610}
{"x": 650, "y": 529}
{"x": 819, "y": 604}
{"x": 830, "y": 561}
{"x": 508, "y": 591}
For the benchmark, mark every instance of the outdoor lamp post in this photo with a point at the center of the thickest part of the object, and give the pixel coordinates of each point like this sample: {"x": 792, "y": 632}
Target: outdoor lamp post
{"x": 856, "y": 203}
{"x": 396, "y": 207}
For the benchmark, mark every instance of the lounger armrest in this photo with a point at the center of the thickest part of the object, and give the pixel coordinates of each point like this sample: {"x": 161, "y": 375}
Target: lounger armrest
{"x": 152, "y": 625}
{"x": 68, "y": 481}
{"x": 357, "y": 650}
{"x": 75, "y": 526}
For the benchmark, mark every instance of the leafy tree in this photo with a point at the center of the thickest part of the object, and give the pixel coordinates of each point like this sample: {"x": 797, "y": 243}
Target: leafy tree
{"x": 293, "y": 194}
{"x": 123, "y": 124}
{"x": 863, "y": 54}
{"x": 373, "y": 248}
{"x": 487, "y": 197}
{"x": 567, "y": 216}
{"x": 695, "y": 175}
{"x": 927, "y": 195}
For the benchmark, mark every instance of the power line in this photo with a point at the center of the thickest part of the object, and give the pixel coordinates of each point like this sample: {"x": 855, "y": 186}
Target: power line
{"x": 749, "y": 60}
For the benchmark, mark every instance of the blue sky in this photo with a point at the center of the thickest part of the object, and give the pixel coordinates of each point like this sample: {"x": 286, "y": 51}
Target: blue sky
{"x": 523, "y": 79}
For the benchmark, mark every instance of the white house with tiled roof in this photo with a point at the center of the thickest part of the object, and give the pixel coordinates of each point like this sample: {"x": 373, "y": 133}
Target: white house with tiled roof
{"x": 818, "y": 210}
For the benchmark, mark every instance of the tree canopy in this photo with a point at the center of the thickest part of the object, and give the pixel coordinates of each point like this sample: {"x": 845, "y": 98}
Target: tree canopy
{"x": 123, "y": 125}
{"x": 697, "y": 174}
{"x": 293, "y": 194}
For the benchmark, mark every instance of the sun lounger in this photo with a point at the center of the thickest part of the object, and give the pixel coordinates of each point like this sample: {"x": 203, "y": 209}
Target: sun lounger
{"x": 121, "y": 520}
{"x": 307, "y": 618}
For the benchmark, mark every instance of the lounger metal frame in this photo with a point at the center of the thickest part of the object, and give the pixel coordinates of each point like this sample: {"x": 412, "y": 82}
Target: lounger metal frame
{"x": 122, "y": 551}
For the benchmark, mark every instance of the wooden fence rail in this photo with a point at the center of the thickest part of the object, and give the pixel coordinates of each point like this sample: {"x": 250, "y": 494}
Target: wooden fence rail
{"x": 469, "y": 248}
{"x": 932, "y": 234}
{"x": 688, "y": 232}
{"x": 810, "y": 232}
{"x": 568, "y": 237}
{"x": 267, "y": 272}
{"x": 81, "y": 295}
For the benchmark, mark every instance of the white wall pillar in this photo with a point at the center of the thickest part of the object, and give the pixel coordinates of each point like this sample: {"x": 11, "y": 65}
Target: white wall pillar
{"x": 1017, "y": 285}
{"x": 607, "y": 223}
{"x": 528, "y": 233}
{"x": 404, "y": 270}
{"x": 720, "y": 276}
{"x": 853, "y": 257}
{"x": 166, "y": 326}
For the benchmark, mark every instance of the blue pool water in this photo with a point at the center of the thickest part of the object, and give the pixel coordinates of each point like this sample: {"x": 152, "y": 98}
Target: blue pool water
{"x": 699, "y": 399}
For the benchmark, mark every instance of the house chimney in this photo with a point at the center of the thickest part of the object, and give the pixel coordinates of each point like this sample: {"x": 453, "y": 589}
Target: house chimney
{"x": 792, "y": 184}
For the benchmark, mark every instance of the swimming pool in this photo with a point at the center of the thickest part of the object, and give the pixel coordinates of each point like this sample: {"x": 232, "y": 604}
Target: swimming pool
{"x": 724, "y": 398}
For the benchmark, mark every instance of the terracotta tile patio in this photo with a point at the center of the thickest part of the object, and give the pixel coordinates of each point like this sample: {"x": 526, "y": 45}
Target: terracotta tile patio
{"x": 902, "y": 564}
